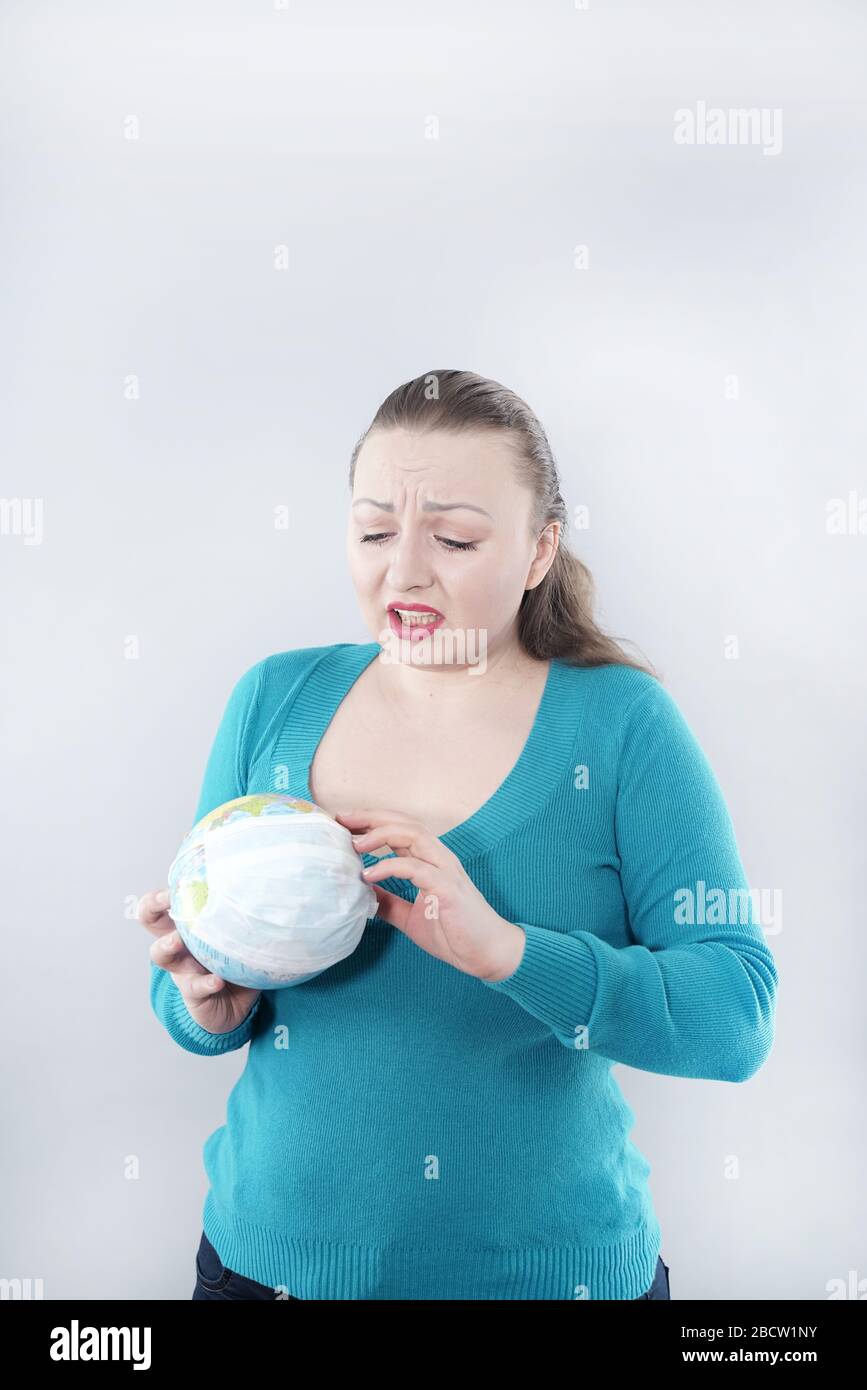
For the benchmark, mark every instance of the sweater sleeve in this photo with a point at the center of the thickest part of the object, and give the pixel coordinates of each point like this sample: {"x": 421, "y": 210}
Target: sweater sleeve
{"x": 225, "y": 778}
{"x": 696, "y": 995}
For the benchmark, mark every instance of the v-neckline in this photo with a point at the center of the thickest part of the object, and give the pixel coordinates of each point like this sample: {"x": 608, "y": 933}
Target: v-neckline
{"x": 544, "y": 759}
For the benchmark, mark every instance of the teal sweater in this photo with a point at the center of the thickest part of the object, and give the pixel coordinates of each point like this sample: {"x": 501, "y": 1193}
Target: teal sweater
{"x": 404, "y": 1130}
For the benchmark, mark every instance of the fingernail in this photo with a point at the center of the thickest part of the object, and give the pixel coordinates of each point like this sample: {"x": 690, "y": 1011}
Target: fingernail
{"x": 162, "y": 899}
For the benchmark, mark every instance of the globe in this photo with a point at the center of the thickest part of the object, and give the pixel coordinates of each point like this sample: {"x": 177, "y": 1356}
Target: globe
{"x": 266, "y": 891}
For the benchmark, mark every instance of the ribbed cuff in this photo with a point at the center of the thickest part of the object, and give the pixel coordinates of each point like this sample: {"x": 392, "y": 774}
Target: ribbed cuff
{"x": 184, "y": 1030}
{"x": 555, "y": 981}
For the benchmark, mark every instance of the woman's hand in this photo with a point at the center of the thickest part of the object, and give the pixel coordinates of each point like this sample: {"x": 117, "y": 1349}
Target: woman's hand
{"x": 450, "y": 919}
{"x": 214, "y": 1003}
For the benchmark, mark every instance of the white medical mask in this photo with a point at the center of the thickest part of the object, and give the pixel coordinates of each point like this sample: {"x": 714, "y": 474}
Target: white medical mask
{"x": 285, "y": 900}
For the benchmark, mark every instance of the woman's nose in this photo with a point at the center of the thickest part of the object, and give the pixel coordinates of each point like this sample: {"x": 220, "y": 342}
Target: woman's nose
{"x": 408, "y": 567}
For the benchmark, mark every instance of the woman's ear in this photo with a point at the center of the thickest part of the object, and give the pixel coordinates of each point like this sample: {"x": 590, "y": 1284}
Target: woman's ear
{"x": 546, "y": 549}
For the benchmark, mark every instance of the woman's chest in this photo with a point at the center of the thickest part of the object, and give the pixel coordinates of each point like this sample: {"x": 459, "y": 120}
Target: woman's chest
{"x": 438, "y": 774}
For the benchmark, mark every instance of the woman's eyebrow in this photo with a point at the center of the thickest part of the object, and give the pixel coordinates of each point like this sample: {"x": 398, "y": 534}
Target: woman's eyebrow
{"x": 426, "y": 506}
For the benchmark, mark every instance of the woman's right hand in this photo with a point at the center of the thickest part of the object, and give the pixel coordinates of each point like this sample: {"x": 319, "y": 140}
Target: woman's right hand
{"x": 214, "y": 1003}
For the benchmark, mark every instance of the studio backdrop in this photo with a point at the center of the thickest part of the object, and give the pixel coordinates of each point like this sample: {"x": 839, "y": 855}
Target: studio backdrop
{"x": 228, "y": 233}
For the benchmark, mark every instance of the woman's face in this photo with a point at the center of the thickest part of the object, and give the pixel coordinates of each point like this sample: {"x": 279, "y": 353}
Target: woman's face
{"x": 440, "y": 538}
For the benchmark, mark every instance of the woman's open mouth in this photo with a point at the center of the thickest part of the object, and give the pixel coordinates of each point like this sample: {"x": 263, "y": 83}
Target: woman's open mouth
{"x": 413, "y": 620}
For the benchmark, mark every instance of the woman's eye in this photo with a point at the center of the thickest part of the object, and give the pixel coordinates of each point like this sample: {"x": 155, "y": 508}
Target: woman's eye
{"x": 379, "y": 537}
{"x": 456, "y": 545}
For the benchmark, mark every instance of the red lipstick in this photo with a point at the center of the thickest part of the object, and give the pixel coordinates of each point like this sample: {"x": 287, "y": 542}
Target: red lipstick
{"x": 412, "y": 629}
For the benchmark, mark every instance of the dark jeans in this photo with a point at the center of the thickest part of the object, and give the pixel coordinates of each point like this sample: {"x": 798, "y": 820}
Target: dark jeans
{"x": 215, "y": 1282}
{"x": 660, "y": 1288}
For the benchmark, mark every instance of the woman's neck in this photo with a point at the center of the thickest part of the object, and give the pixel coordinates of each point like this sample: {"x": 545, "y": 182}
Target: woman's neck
{"x": 445, "y": 692}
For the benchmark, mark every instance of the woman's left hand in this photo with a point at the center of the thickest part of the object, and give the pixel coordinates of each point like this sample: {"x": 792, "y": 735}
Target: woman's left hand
{"x": 449, "y": 918}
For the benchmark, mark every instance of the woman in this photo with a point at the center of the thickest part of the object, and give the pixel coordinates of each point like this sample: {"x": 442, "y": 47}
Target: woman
{"x": 435, "y": 1117}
